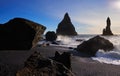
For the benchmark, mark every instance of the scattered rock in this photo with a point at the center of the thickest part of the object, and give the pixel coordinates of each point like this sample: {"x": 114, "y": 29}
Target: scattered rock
{"x": 50, "y": 36}
{"x": 91, "y": 46}
{"x": 107, "y": 30}
{"x": 65, "y": 27}
{"x": 71, "y": 48}
{"x": 36, "y": 65}
{"x": 55, "y": 42}
{"x": 79, "y": 40}
{"x": 20, "y": 34}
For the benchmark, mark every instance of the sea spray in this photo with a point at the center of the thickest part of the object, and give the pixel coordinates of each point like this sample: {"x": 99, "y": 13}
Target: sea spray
{"x": 68, "y": 41}
{"x": 115, "y": 40}
{"x": 110, "y": 57}
{"x": 113, "y": 56}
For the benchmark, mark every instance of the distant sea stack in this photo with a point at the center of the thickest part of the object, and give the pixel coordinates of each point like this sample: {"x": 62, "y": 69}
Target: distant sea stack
{"x": 65, "y": 27}
{"x": 107, "y": 30}
{"x": 20, "y": 34}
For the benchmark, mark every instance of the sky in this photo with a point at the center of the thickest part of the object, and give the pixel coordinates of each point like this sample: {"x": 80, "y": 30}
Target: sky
{"x": 88, "y": 16}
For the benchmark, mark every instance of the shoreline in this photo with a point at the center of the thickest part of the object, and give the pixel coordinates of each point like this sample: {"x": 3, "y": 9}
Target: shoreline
{"x": 81, "y": 66}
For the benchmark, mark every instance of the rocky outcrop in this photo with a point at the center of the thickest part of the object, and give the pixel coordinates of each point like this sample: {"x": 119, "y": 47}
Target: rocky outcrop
{"x": 65, "y": 27}
{"x": 64, "y": 58}
{"x": 50, "y": 36}
{"x": 20, "y": 34}
{"x": 107, "y": 30}
{"x": 36, "y": 65}
{"x": 91, "y": 46}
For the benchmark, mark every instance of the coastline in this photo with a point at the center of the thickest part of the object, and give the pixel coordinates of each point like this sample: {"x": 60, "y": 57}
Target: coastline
{"x": 81, "y": 66}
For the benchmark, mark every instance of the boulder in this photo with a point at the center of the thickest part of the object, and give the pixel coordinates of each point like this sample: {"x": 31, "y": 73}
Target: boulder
{"x": 64, "y": 58}
{"x": 50, "y": 36}
{"x": 20, "y": 34}
{"x": 36, "y": 65}
{"x": 107, "y": 30}
{"x": 91, "y": 46}
{"x": 65, "y": 27}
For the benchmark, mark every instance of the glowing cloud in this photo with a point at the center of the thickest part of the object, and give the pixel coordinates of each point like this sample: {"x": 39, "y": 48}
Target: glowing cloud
{"x": 115, "y": 4}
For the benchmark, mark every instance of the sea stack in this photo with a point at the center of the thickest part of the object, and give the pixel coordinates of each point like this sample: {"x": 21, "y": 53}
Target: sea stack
{"x": 65, "y": 27}
{"x": 107, "y": 30}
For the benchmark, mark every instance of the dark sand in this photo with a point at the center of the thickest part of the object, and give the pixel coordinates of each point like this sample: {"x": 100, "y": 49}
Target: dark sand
{"x": 81, "y": 66}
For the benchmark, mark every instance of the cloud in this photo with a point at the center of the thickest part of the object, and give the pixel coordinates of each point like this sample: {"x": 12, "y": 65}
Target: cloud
{"x": 87, "y": 16}
{"x": 115, "y": 4}
{"x": 93, "y": 25}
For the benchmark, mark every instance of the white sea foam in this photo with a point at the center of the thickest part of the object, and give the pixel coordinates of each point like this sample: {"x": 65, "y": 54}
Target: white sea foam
{"x": 111, "y": 57}
{"x": 68, "y": 41}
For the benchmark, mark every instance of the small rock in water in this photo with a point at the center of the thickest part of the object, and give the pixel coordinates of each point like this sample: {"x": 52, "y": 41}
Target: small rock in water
{"x": 80, "y": 40}
{"x": 56, "y": 43}
{"x": 51, "y": 36}
{"x": 71, "y": 48}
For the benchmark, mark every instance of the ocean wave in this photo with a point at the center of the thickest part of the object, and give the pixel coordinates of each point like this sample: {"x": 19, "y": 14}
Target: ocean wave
{"x": 111, "y": 57}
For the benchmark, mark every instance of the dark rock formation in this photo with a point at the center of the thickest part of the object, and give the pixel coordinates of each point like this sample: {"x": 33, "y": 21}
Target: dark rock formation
{"x": 20, "y": 34}
{"x": 36, "y": 65}
{"x": 64, "y": 58}
{"x": 91, "y": 46}
{"x": 65, "y": 27}
{"x": 50, "y": 36}
{"x": 107, "y": 30}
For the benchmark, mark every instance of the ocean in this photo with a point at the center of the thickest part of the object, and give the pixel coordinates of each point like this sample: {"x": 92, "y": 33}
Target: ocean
{"x": 111, "y": 57}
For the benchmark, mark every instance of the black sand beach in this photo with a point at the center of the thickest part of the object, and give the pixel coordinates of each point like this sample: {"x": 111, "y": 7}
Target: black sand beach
{"x": 81, "y": 66}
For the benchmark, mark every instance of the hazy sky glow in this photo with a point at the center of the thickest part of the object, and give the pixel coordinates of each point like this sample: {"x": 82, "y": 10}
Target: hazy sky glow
{"x": 88, "y": 16}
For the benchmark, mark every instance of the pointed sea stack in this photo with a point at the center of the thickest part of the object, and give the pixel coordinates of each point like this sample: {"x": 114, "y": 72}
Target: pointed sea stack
{"x": 107, "y": 30}
{"x": 65, "y": 27}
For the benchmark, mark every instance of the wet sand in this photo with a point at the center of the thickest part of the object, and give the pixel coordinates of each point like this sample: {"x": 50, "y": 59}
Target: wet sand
{"x": 81, "y": 66}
